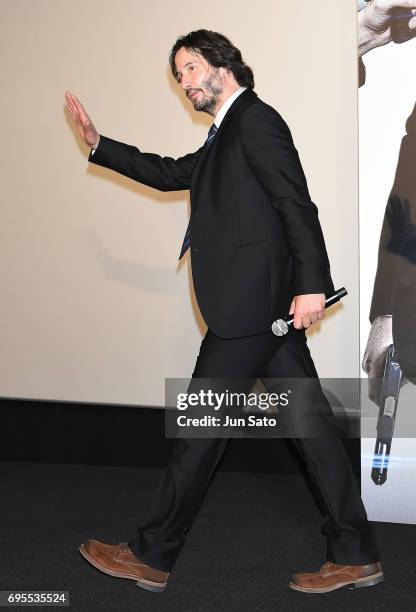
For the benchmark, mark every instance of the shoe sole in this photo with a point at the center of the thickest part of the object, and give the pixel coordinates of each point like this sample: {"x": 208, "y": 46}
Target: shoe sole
{"x": 148, "y": 585}
{"x": 366, "y": 581}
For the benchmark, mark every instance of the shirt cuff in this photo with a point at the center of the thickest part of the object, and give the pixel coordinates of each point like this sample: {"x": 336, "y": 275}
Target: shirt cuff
{"x": 94, "y": 150}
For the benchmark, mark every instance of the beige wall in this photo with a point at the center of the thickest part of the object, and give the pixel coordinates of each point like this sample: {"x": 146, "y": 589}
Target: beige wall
{"x": 93, "y": 305}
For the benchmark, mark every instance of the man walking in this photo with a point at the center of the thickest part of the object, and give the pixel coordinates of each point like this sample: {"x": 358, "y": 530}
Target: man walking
{"x": 257, "y": 252}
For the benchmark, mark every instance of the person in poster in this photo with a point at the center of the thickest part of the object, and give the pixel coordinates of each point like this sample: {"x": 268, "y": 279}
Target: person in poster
{"x": 257, "y": 251}
{"x": 389, "y": 358}
{"x": 381, "y": 22}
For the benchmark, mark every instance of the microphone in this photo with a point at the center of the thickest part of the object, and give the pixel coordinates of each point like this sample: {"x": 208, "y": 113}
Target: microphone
{"x": 280, "y": 327}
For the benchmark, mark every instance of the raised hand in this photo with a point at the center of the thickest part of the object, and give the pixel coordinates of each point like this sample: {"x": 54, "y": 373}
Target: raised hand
{"x": 383, "y": 21}
{"x": 82, "y": 120}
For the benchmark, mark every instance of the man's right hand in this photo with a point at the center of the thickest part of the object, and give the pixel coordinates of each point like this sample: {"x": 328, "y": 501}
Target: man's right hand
{"x": 83, "y": 122}
{"x": 379, "y": 340}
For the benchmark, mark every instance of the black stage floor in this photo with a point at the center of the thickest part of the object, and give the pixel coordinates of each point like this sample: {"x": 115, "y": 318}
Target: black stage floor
{"x": 252, "y": 533}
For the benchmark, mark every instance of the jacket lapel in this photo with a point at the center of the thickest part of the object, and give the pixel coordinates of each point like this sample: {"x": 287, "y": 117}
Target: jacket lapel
{"x": 243, "y": 99}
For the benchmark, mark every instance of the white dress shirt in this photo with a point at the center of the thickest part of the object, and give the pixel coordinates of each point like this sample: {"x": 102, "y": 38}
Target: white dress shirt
{"x": 224, "y": 108}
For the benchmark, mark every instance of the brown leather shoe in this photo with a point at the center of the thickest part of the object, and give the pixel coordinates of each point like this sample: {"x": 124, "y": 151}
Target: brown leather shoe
{"x": 117, "y": 560}
{"x": 332, "y": 576}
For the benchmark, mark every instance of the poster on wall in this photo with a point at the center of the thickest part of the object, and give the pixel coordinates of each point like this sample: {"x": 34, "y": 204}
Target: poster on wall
{"x": 387, "y": 192}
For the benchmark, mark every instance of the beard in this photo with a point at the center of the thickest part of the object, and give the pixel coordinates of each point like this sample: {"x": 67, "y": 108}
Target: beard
{"x": 208, "y": 101}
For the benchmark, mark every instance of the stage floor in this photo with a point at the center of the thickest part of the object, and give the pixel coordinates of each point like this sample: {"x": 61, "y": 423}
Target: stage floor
{"x": 252, "y": 533}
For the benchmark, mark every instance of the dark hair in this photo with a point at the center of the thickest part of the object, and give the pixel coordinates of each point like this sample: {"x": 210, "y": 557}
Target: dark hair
{"x": 218, "y": 51}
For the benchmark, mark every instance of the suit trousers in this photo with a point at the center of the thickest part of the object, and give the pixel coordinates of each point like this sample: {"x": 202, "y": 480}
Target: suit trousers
{"x": 350, "y": 536}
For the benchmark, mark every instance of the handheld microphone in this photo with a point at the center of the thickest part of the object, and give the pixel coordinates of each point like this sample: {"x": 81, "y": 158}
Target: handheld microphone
{"x": 280, "y": 327}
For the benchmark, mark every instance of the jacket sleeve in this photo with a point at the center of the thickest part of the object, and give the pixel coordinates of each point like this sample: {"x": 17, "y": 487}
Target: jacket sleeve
{"x": 162, "y": 173}
{"x": 361, "y": 72}
{"x": 396, "y": 269}
{"x": 271, "y": 154}
{"x": 388, "y": 267}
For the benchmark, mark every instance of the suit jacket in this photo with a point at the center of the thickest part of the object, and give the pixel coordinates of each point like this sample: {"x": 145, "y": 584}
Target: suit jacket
{"x": 256, "y": 240}
{"x": 394, "y": 290}
{"x": 395, "y": 282}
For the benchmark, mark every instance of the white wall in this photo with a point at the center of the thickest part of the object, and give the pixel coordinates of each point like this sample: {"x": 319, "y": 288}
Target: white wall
{"x": 93, "y": 306}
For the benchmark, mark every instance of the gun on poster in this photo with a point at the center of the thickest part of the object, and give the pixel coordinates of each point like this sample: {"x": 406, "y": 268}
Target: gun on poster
{"x": 388, "y": 401}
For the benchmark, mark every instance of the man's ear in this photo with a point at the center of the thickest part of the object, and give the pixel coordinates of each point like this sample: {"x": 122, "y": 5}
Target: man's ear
{"x": 225, "y": 72}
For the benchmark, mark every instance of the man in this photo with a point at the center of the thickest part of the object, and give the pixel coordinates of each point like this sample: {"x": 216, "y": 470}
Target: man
{"x": 257, "y": 251}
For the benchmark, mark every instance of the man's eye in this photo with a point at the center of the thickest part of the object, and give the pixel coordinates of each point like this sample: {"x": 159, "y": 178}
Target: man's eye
{"x": 191, "y": 67}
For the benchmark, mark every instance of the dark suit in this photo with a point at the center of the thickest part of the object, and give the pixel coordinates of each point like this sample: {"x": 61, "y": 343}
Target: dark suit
{"x": 395, "y": 282}
{"x": 394, "y": 290}
{"x": 255, "y": 243}
{"x": 255, "y": 236}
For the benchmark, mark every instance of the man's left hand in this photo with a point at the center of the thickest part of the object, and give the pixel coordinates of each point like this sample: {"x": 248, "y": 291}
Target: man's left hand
{"x": 307, "y": 309}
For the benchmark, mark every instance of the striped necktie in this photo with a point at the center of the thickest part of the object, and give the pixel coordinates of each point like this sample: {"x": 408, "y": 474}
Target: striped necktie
{"x": 187, "y": 240}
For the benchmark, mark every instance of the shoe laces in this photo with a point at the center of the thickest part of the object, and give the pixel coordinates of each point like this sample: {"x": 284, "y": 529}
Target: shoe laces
{"x": 326, "y": 567}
